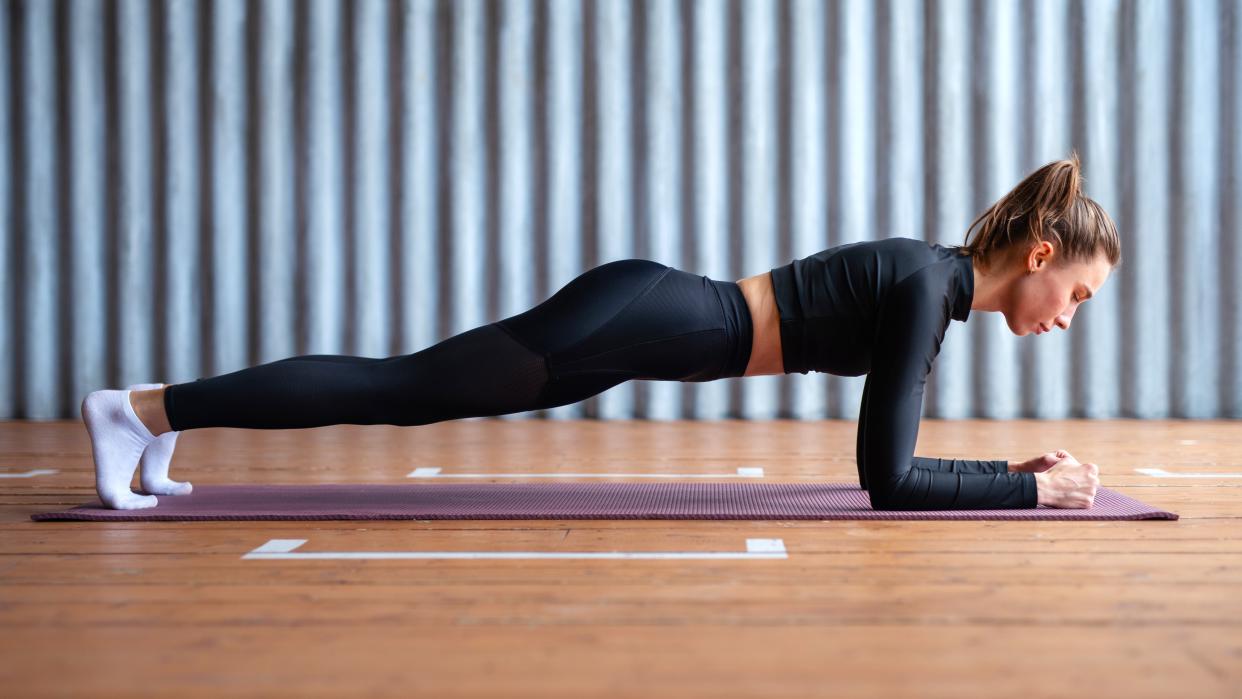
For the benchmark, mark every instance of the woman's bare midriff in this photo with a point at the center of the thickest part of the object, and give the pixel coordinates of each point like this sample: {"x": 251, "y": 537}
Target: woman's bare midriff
{"x": 765, "y": 347}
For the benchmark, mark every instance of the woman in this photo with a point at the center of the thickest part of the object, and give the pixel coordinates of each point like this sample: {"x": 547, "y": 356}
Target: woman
{"x": 877, "y": 307}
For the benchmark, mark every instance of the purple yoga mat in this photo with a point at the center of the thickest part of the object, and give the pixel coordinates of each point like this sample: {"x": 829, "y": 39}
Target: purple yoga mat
{"x": 564, "y": 501}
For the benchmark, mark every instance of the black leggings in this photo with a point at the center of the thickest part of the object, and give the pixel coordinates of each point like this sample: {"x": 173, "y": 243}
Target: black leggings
{"x": 627, "y": 319}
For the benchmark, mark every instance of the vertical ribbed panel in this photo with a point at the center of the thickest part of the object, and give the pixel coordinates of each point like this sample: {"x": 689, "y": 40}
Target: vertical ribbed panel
{"x": 756, "y": 145}
{"x": 613, "y": 198}
{"x": 1046, "y": 393}
{"x": 1152, "y": 274}
{"x": 35, "y": 222}
{"x": 9, "y": 404}
{"x": 190, "y": 188}
{"x": 711, "y": 186}
{"x": 661, "y": 186}
{"x": 181, "y": 225}
{"x": 570, "y": 157}
{"x": 947, "y": 186}
{"x": 1097, "y": 124}
{"x": 998, "y": 134}
{"x": 856, "y": 121}
{"x": 808, "y": 169}
{"x": 1228, "y": 310}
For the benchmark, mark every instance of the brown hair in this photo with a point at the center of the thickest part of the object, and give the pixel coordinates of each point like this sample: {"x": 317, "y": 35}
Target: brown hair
{"x": 1047, "y": 205}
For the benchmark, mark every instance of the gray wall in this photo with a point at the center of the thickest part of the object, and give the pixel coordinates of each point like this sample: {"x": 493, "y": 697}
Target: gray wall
{"x": 190, "y": 188}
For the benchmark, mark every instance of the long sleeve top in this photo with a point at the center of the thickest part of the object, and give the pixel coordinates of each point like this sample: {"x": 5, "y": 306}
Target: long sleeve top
{"x": 882, "y": 308}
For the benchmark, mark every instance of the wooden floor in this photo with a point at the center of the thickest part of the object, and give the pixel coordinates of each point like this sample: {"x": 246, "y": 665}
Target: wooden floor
{"x": 867, "y": 609}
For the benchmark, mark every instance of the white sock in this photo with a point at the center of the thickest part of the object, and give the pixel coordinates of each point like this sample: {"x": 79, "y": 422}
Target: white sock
{"x": 155, "y": 460}
{"x": 118, "y": 438}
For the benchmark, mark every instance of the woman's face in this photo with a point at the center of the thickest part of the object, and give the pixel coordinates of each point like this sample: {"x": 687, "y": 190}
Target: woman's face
{"x": 1045, "y": 291}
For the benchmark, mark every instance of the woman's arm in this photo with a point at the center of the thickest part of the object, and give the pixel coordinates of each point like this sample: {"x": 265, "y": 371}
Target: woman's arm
{"x": 930, "y": 463}
{"x": 963, "y": 465}
{"x": 907, "y": 342}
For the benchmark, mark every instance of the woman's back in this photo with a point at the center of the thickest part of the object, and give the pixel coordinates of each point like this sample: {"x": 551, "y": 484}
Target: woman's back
{"x": 830, "y": 303}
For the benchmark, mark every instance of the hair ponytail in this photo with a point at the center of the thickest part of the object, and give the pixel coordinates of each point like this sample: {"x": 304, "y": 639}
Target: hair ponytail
{"x": 1047, "y": 205}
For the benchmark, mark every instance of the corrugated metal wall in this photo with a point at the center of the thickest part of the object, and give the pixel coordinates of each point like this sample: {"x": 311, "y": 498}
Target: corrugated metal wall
{"x": 189, "y": 188}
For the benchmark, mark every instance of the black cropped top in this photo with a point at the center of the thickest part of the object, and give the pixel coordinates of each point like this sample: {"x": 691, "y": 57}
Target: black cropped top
{"x": 881, "y": 308}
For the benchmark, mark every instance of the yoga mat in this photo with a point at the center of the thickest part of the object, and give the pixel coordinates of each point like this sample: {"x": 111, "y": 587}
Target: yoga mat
{"x": 564, "y": 501}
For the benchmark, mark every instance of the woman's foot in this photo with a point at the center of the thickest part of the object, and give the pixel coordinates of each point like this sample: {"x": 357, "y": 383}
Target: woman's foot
{"x": 118, "y": 439}
{"x": 157, "y": 457}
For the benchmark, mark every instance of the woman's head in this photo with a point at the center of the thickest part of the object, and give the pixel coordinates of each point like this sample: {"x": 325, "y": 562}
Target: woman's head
{"x": 1044, "y": 248}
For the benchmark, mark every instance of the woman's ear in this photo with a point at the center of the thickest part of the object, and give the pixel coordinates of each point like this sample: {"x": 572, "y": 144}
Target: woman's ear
{"x": 1038, "y": 256}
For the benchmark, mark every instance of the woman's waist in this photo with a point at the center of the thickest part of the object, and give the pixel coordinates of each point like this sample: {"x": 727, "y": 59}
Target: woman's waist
{"x": 765, "y": 319}
{"x": 830, "y": 340}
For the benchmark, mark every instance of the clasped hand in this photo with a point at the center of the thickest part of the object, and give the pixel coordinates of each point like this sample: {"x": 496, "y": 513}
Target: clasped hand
{"x": 1067, "y": 483}
{"x": 1043, "y": 462}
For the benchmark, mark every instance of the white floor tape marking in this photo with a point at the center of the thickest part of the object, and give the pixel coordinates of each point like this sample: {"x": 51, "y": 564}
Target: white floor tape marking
{"x": 432, "y": 472}
{"x": 284, "y": 550}
{"x": 1161, "y": 473}
{"x": 30, "y": 474}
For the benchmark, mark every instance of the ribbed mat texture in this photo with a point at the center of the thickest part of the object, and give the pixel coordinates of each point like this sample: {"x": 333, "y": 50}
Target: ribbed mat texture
{"x": 762, "y": 501}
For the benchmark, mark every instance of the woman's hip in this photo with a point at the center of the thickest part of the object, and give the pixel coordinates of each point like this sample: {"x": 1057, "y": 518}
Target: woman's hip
{"x": 640, "y": 319}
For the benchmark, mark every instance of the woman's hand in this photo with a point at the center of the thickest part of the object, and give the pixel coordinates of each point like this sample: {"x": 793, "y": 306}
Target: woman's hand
{"x": 1042, "y": 463}
{"x": 1068, "y": 484}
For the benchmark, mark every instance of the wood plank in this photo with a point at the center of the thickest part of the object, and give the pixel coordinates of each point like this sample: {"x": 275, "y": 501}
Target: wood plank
{"x": 859, "y": 608}
{"x": 718, "y": 660}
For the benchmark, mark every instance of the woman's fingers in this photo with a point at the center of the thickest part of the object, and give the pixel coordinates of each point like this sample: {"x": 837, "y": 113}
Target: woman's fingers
{"x": 1047, "y": 460}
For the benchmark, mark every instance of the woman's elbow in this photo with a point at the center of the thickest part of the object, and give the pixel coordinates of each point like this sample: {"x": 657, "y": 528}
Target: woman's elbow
{"x": 885, "y": 499}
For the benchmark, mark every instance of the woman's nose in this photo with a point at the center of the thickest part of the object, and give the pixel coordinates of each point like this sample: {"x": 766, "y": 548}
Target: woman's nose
{"x": 1064, "y": 319}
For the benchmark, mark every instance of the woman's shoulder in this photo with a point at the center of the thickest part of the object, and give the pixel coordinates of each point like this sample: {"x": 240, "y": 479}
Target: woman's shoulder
{"x": 931, "y": 288}
{"x": 879, "y": 265}
{"x": 913, "y": 248}
{"x": 903, "y": 258}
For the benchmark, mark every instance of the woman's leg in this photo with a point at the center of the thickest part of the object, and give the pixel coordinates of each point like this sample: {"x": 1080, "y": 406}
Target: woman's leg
{"x": 622, "y": 320}
{"x": 629, "y": 319}
{"x": 480, "y": 371}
